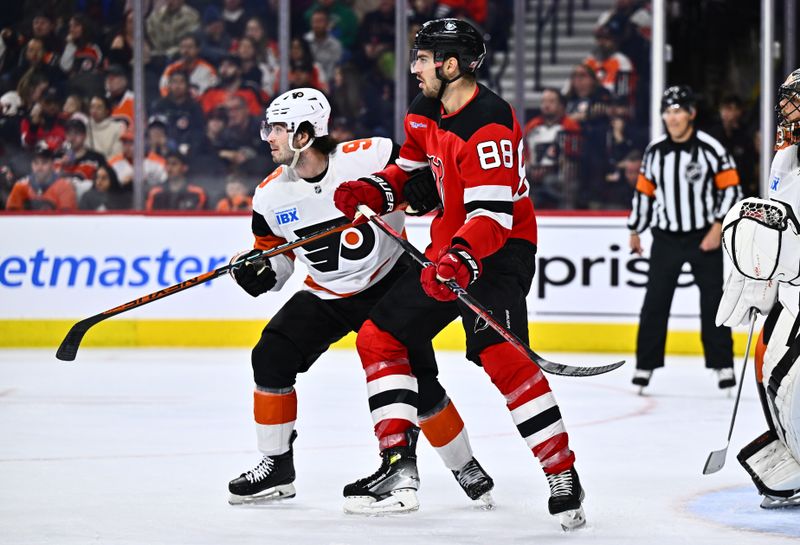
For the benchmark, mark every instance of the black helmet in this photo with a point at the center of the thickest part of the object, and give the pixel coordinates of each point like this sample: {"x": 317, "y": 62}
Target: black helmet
{"x": 452, "y": 38}
{"x": 678, "y": 95}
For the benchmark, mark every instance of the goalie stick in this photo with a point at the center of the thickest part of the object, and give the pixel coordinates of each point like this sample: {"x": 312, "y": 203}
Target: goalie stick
{"x": 716, "y": 459}
{"x": 69, "y": 346}
{"x": 476, "y": 307}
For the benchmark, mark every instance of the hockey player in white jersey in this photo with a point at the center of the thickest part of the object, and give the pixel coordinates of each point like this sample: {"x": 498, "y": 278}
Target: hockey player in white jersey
{"x": 762, "y": 237}
{"x": 348, "y": 272}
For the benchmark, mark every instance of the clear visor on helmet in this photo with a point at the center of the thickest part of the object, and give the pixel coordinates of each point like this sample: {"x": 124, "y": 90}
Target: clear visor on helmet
{"x": 423, "y": 56}
{"x": 267, "y": 128}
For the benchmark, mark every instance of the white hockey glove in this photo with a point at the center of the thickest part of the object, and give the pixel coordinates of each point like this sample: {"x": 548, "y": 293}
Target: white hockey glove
{"x": 761, "y": 237}
{"x": 741, "y": 294}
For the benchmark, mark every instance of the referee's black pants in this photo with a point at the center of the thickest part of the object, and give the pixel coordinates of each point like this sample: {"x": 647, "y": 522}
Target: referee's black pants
{"x": 668, "y": 254}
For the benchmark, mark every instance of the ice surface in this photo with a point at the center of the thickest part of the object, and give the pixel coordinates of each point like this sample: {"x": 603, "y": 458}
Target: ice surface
{"x": 137, "y": 447}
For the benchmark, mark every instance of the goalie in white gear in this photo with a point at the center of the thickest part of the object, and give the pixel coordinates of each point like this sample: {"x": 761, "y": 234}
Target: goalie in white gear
{"x": 349, "y": 271}
{"x": 762, "y": 237}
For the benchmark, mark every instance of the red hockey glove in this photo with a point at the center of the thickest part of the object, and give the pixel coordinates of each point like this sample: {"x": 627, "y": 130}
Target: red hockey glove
{"x": 454, "y": 263}
{"x": 373, "y": 191}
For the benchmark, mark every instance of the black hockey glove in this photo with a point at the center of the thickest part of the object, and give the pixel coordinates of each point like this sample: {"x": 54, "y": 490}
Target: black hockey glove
{"x": 421, "y": 193}
{"x": 255, "y": 277}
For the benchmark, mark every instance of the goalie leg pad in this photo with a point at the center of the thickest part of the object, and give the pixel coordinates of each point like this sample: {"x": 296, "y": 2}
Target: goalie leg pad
{"x": 774, "y": 470}
{"x": 779, "y": 377}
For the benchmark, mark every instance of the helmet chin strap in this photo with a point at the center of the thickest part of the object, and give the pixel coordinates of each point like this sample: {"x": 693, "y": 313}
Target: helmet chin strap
{"x": 297, "y": 151}
{"x": 445, "y": 81}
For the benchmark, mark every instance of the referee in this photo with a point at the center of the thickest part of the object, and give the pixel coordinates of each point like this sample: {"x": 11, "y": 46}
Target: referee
{"x": 687, "y": 183}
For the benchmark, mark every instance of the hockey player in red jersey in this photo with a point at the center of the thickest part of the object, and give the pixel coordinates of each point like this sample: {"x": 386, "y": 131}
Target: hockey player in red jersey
{"x": 348, "y": 274}
{"x": 762, "y": 237}
{"x": 483, "y": 237}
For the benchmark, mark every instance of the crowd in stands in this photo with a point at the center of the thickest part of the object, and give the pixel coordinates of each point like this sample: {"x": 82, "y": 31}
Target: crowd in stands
{"x": 585, "y": 144}
{"x": 211, "y": 67}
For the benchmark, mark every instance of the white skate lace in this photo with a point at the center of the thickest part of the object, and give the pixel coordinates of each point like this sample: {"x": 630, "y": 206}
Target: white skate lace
{"x": 560, "y": 483}
{"x": 261, "y": 470}
{"x": 470, "y": 474}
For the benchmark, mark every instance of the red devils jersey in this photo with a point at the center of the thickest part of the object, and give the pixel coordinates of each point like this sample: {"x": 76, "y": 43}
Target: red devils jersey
{"x": 476, "y": 155}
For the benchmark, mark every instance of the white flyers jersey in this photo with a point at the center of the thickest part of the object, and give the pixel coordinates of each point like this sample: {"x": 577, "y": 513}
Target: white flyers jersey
{"x": 287, "y": 207}
{"x": 784, "y": 186}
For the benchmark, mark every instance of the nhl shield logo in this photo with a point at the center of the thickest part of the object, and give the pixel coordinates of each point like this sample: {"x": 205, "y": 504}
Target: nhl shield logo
{"x": 694, "y": 173}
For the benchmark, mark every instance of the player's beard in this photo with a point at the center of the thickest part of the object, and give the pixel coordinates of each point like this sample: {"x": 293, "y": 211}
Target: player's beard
{"x": 430, "y": 89}
{"x": 282, "y": 156}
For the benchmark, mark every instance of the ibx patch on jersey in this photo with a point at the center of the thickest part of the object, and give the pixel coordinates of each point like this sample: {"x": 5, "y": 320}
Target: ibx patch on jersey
{"x": 773, "y": 185}
{"x": 286, "y": 216}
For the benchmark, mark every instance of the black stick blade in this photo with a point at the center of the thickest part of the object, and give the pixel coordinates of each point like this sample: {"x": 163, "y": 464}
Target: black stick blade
{"x": 69, "y": 346}
{"x": 575, "y": 371}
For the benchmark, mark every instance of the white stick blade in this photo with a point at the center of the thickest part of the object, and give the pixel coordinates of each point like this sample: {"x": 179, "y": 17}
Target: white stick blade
{"x": 715, "y": 462}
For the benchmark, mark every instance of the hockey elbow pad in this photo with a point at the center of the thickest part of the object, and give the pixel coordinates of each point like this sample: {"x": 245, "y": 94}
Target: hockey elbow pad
{"x": 256, "y": 276}
{"x": 421, "y": 193}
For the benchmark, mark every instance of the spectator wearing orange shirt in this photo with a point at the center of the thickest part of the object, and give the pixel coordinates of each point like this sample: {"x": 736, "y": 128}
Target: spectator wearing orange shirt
{"x": 614, "y": 69}
{"x": 202, "y": 75}
{"x": 155, "y": 172}
{"x": 118, "y": 93}
{"x": 236, "y": 197}
{"x": 43, "y": 189}
{"x": 177, "y": 193}
{"x": 231, "y": 84}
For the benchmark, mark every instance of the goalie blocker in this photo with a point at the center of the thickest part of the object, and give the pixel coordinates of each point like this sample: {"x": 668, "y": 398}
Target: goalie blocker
{"x": 761, "y": 237}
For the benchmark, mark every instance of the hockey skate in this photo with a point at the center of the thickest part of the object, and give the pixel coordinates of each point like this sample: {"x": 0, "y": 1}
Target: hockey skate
{"x": 726, "y": 378}
{"x": 641, "y": 378}
{"x": 775, "y": 502}
{"x": 271, "y": 480}
{"x": 476, "y": 483}
{"x": 391, "y": 489}
{"x": 566, "y": 496}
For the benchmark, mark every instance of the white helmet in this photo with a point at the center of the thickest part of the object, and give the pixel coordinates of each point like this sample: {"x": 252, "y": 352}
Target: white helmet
{"x": 10, "y": 104}
{"x": 298, "y": 105}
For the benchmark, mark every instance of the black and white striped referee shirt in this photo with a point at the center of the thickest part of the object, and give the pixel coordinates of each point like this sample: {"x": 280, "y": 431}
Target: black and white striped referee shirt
{"x": 685, "y": 186}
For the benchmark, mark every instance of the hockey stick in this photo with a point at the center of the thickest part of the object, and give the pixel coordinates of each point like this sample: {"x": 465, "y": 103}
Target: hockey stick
{"x": 483, "y": 312}
{"x": 716, "y": 459}
{"x": 69, "y": 346}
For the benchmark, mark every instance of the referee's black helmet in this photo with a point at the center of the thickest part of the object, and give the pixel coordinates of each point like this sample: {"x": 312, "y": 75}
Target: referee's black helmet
{"x": 678, "y": 95}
